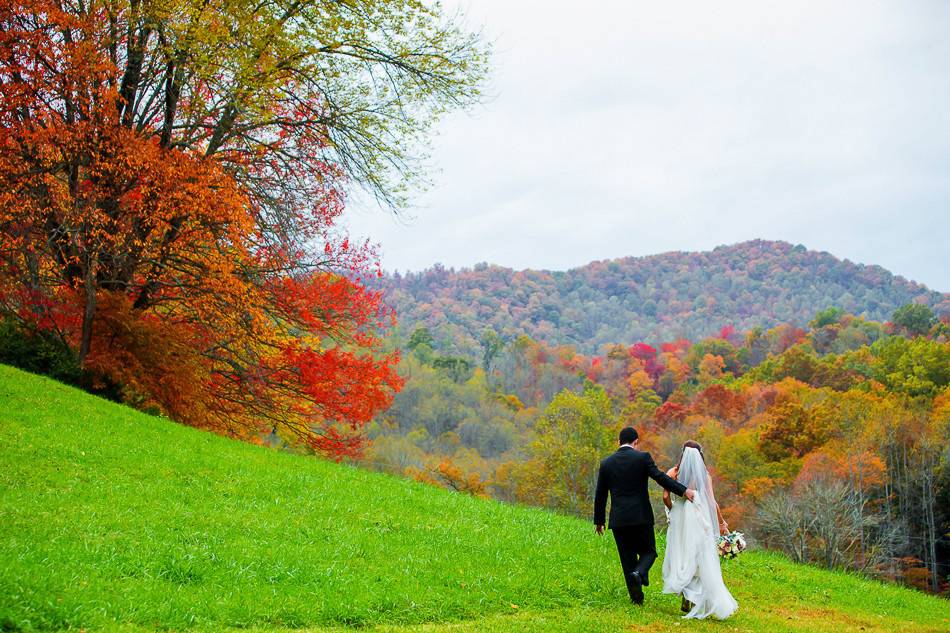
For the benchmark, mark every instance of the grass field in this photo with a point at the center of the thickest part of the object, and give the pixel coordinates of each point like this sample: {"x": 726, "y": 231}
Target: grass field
{"x": 113, "y": 520}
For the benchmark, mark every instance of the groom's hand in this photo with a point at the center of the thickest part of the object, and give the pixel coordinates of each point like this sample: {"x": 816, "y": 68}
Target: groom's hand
{"x": 689, "y": 494}
{"x": 599, "y": 529}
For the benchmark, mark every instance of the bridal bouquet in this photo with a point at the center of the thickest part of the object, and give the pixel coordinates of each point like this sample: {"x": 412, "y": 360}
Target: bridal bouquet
{"x": 731, "y": 545}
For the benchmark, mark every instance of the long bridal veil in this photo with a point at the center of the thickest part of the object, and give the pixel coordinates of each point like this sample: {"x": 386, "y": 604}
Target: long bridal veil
{"x": 691, "y": 563}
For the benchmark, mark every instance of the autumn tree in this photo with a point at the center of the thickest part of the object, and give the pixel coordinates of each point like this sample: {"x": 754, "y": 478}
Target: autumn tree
{"x": 792, "y": 430}
{"x": 826, "y": 317}
{"x": 796, "y": 362}
{"x": 914, "y": 319}
{"x": 492, "y": 345}
{"x": 575, "y": 432}
{"x": 447, "y": 474}
{"x": 171, "y": 175}
{"x": 918, "y": 367}
{"x": 421, "y": 336}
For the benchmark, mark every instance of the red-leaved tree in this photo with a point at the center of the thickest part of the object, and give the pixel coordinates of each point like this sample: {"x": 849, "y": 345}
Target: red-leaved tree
{"x": 171, "y": 176}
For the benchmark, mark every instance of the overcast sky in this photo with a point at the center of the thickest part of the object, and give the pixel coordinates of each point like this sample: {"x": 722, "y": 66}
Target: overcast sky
{"x": 635, "y": 127}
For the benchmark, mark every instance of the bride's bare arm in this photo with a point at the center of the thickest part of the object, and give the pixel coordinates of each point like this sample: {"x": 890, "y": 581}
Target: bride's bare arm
{"x": 667, "y": 499}
{"x": 723, "y": 526}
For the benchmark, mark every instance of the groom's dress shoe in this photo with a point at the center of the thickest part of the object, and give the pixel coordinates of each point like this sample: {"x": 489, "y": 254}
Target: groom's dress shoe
{"x": 635, "y": 585}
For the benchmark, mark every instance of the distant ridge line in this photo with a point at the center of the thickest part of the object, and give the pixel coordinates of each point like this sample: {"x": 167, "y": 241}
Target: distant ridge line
{"x": 677, "y": 294}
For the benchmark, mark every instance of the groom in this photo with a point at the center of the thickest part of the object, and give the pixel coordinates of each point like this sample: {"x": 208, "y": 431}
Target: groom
{"x": 624, "y": 475}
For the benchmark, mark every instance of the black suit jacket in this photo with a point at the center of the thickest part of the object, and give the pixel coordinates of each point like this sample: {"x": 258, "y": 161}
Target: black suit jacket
{"x": 624, "y": 475}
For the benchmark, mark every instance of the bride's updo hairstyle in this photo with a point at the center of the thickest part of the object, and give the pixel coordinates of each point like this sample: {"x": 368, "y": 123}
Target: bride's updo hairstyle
{"x": 693, "y": 444}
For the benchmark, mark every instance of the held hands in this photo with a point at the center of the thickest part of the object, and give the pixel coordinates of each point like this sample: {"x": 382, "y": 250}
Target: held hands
{"x": 599, "y": 529}
{"x": 673, "y": 472}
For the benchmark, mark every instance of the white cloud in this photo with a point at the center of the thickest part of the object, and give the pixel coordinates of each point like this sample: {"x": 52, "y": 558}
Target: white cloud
{"x": 630, "y": 128}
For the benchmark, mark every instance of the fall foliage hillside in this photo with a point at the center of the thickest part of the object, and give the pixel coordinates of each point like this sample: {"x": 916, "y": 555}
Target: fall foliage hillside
{"x": 661, "y": 297}
{"x": 111, "y": 519}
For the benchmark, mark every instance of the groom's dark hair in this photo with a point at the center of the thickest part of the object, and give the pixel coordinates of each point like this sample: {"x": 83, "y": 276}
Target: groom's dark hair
{"x": 628, "y": 435}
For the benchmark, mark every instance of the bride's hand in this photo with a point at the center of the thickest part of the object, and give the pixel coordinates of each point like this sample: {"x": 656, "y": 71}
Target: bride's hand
{"x": 672, "y": 472}
{"x": 723, "y": 528}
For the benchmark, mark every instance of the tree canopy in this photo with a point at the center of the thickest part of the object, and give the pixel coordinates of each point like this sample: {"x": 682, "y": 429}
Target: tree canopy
{"x": 171, "y": 177}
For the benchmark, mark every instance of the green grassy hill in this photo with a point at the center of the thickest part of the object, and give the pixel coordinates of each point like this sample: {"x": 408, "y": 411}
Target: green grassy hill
{"x": 114, "y": 520}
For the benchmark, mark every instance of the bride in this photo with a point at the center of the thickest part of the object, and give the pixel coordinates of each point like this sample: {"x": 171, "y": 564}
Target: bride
{"x": 691, "y": 562}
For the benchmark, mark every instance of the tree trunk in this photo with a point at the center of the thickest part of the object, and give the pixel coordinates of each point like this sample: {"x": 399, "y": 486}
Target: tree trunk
{"x": 931, "y": 543}
{"x": 89, "y": 311}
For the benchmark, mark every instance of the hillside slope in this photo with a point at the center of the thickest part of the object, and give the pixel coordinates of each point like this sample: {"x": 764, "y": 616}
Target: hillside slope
{"x": 114, "y": 520}
{"x": 655, "y": 298}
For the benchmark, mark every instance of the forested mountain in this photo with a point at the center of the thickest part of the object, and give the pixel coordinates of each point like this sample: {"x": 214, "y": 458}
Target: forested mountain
{"x": 659, "y": 297}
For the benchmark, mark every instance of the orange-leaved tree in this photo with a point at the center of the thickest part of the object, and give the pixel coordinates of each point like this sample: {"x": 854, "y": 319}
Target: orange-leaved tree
{"x": 171, "y": 176}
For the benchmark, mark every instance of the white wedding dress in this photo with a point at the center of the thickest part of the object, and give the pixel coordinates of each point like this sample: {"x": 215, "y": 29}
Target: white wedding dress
{"x": 691, "y": 563}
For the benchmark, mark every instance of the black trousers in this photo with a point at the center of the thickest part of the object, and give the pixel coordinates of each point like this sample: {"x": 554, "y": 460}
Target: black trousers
{"x": 636, "y": 545}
